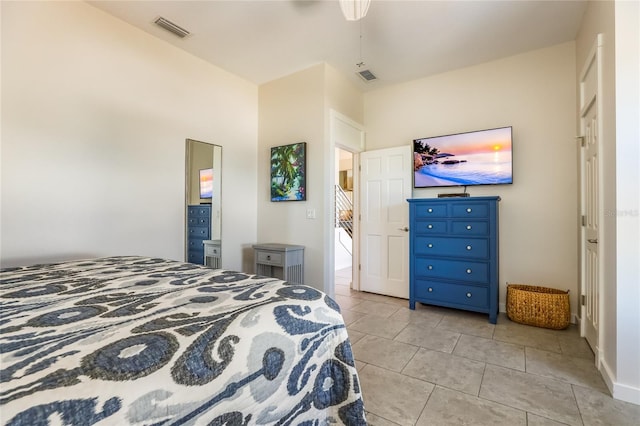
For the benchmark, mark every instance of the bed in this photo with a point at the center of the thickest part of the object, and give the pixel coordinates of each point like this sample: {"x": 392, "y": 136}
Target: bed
{"x": 147, "y": 341}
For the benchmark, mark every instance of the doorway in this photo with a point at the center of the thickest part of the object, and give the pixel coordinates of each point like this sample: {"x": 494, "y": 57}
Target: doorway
{"x": 343, "y": 218}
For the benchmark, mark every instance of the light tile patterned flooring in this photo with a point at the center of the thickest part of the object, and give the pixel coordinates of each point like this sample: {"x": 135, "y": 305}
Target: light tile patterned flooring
{"x": 437, "y": 366}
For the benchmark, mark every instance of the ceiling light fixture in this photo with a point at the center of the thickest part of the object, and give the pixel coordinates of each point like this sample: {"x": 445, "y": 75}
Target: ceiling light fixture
{"x": 354, "y": 10}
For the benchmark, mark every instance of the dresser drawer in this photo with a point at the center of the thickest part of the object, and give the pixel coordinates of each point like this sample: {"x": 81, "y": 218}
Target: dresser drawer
{"x": 195, "y": 244}
{"x": 469, "y": 227}
{"x": 194, "y": 211}
{"x": 270, "y": 258}
{"x": 199, "y": 232}
{"x": 196, "y": 257}
{"x": 476, "y": 248}
{"x": 431, "y": 227}
{"x": 430, "y": 210}
{"x": 458, "y": 294}
{"x": 459, "y": 270}
{"x": 198, "y": 221}
{"x": 470, "y": 210}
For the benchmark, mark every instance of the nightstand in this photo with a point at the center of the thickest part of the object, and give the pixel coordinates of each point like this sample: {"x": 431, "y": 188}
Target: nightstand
{"x": 212, "y": 253}
{"x": 282, "y": 261}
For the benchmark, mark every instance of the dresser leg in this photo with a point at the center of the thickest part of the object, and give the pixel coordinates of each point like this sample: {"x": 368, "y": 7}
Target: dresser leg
{"x": 412, "y": 304}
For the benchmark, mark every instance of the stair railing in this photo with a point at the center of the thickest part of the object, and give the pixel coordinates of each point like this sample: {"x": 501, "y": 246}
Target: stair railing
{"x": 344, "y": 211}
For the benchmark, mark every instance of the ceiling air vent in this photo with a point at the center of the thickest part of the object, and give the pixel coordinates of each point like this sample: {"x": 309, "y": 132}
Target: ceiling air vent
{"x": 367, "y": 75}
{"x": 171, "y": 27}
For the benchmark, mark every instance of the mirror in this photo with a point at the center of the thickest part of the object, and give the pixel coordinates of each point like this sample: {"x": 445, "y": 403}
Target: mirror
{"x": 203, "y": 222}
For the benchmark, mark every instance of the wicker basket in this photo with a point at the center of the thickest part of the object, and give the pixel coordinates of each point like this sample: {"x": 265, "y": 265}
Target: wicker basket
{"x": 538, "y": 306}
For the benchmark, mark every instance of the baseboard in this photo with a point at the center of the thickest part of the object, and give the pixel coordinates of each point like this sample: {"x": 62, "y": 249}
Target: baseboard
{"x": 619, "y": 391}
{"x": 626, "y": 393}
{"x": 606, "y": 374}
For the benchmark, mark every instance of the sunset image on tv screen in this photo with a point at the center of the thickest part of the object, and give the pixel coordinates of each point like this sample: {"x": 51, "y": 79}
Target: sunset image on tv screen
{"x": 206, "y": 183}
{"x": 474, "y": 158}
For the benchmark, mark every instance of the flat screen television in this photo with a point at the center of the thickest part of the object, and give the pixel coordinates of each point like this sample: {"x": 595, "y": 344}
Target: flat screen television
{"x": 482, "y": 157}
{"x": 206, "y": 183}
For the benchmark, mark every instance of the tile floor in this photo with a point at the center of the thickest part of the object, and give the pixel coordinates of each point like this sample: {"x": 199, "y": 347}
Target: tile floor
{"x": 437, "y": 366}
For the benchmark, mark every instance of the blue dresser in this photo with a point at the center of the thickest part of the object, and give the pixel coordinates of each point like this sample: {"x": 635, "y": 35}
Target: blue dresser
{"x": 453, "y": 253}
{"x": 198, "y": 230}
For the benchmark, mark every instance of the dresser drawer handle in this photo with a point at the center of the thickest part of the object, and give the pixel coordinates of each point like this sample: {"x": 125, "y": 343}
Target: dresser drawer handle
{"x": 468, "y": 247}
{"x": 469, "y": 271}
{"x": 430, "y": 210}
{"x": 469, "y": 227}
{"x": 469, "y": 210}
{"x": 469, "y": 295}
{"x": 429, "y": 226}
{"x": 430, "y": 267}
{"x": 430, "y": 290}
{"x": 430, "y": 245}
{"x": 268, "y": 257}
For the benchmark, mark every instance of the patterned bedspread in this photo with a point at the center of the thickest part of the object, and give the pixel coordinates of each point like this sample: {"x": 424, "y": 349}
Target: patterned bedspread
{"x": 143, "y": 341}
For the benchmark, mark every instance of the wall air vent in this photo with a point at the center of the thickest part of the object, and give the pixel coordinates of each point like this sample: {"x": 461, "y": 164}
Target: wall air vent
{"x": 171, "y": 27}
{"x": 367, "y": 75}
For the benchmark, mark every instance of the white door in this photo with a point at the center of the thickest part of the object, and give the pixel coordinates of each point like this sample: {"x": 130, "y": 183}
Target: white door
{"x": 385, "y": 182}
{"x": 591, "y": 131}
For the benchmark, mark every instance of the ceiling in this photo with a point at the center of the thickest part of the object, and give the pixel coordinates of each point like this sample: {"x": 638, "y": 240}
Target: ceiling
{"x": 398, "y": 40}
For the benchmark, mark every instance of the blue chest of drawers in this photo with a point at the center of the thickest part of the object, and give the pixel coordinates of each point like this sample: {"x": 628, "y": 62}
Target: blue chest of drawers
{"x": 198, "y": 230}
{"x": 453, "y": 253}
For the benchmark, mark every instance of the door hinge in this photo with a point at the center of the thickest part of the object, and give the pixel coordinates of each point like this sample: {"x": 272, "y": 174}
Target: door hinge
{"x": 584, "y": 220}
{"x": 359, "y": 267}
{"x": 583, "y": 299}
{"x": 581, "y": 140}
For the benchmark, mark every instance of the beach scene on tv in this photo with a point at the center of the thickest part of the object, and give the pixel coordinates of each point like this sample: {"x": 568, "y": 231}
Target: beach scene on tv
{"x": 474, "y": 158}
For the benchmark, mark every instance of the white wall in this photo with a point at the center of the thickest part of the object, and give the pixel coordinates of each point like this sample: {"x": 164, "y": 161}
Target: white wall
{"x": 95, "y": 114}
{"x": 293, "y": 109}
{"x": 627, "y": 18}
{"x": 533, "y": 92}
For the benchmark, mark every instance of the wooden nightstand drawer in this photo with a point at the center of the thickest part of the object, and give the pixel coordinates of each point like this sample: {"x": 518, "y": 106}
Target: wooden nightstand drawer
{"x": 270, "y": 258}
{"x": 211, "y": 250}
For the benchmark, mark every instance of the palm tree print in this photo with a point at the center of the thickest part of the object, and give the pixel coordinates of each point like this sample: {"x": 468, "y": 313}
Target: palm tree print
{"x": 288, "y": 172}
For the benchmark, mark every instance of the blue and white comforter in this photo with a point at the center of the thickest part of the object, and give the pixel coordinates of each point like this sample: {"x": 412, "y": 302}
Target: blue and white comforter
{"x": 143, "y": 341}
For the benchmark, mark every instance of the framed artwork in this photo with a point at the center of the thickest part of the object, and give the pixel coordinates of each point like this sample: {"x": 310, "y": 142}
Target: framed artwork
{"x": 288, "y": 172}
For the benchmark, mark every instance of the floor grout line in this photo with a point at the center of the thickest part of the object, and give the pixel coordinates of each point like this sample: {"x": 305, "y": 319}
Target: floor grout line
{"x": 568, "y": 342}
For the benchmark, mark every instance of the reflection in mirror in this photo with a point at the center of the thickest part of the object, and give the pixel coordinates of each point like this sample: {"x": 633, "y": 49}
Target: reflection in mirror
{"x": 203, "y": 203}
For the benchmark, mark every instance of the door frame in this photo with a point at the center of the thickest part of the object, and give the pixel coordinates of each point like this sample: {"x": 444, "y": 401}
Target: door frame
{"x": 347, "y": 134}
